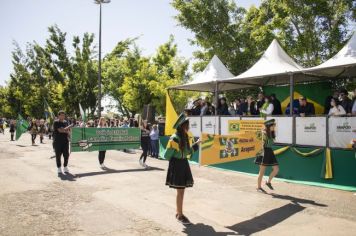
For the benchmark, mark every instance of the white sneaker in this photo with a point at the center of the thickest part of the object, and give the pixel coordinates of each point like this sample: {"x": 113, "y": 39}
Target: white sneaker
{"x": 102, "y": 166}
{"x": 59, "y": 171}
{"x": 66, "y": 170}
{"x": 144, "y": 165}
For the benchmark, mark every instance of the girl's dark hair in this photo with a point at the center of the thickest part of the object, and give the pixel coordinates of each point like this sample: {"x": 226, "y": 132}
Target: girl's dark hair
{"x": 269, "y": 132}
{"x": 337, "y": 102}
{"x": 183, "y": 136}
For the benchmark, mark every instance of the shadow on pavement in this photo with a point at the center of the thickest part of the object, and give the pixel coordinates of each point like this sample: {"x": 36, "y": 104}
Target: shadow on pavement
{"x": 266, "y": 220}
{"x": 113, "y": 171}
{"x": 297, "y": 200}
{"x": 202, "y": 229}
{"x": 66, "y": 177}
{"x": 20, "y": 145}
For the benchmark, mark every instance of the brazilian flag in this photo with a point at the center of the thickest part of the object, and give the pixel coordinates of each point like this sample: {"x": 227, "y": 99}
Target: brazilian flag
{"x": 21, "y": 126}
{"x": 48, "y": 113}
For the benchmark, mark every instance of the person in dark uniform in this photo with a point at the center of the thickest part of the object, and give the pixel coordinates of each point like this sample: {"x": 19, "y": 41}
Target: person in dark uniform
{"x": 12, "y": 129}
{"x": 305, "y": 108}
{"x": 61, "y": 130}
{"x": 268, "y": 158}
{"x": 179, "y": 175}
{"x": 33, "y": 128}
{"x": 276, "y": 104}
{"x": 145, "y": 142}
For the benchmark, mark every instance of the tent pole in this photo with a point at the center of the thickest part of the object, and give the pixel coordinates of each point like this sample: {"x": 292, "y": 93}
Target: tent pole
{"x": 216, "y": 97}
{"x": 291, "y": 86}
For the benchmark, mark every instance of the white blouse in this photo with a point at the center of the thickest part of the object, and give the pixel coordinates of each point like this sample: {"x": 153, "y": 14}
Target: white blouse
{"x": 337, "y": 111}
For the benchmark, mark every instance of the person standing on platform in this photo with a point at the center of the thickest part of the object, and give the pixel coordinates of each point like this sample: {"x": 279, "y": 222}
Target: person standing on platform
{"x": 179, "y": 175}
{"x": 61, "y": 130}
{"x": 276, "y": 104}
{"x": 12, "y": 129}
{"x": 267, "y": 108}
{"x": 145, "y": 142}
{"x": 268, "y": 158}
{"x": 101, "y": 156}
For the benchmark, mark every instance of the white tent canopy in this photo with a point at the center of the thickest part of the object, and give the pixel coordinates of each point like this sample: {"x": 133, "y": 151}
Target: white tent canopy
{"x": 272, "y": 68}
{"x": 342, "y": 64}
{"x": 214, "y": 74}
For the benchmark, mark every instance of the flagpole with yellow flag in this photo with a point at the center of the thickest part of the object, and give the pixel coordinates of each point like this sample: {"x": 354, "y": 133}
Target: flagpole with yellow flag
{"x": 171, "y": 116}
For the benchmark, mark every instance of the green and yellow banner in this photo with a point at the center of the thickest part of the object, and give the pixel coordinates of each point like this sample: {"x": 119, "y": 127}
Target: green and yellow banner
{"x": 217, "y": 149}
{"x": 101, "y": 139}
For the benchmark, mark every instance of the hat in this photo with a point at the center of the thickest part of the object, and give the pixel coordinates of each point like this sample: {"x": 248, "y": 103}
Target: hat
{"x": 181, "y": 119}
{"x": 270, "y": 122}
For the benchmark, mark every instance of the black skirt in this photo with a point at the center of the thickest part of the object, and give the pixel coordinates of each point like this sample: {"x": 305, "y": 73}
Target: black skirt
{"x": 179, "y": 175}
{"x": 268, "y": 159}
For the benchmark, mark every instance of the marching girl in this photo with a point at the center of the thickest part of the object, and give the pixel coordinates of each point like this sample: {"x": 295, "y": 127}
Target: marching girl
{"x": 268, "y": 158}
{"x": 33, "y": 131}
{"x": 179, "y": 175}
{"x": 101, "y": 156}
{"x": 145, "y": 142}
{"x": 42, "y": 129}
{"x": 12, "y": 129}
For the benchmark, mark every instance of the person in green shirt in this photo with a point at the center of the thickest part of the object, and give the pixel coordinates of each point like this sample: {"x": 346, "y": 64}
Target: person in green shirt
{"x": 268, "y": 158}
{"x": 179, "y": 175}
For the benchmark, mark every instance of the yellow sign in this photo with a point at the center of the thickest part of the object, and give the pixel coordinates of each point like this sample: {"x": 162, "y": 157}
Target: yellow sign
{"x": 238, "y": 126}
{"x": 217, "y": 149}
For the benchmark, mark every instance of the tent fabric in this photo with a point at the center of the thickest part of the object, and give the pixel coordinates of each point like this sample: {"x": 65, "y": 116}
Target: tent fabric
{"x": 205, "y": 81}
{"x": 342, "y": 64}
{"x": 273, "y": 68}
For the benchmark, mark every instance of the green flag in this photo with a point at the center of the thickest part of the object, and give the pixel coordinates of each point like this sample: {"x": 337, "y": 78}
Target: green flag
{"x": 48, "y": 112}
{"x": 21, "y": 126}
{"x": 82, "y": 113}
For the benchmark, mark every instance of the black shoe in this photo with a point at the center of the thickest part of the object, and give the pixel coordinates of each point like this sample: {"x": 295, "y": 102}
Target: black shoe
{"x": 183, "y": 219}
{"x": 269, "y": 185}
{"x": 261, "y": 190}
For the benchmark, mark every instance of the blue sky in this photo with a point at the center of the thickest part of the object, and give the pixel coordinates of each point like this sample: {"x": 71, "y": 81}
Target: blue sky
{"x": 152, "y": 20}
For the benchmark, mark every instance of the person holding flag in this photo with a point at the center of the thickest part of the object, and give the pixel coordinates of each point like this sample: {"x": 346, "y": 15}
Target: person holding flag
{"x": 21, "y": 126}
{"x": 61, "y": 130}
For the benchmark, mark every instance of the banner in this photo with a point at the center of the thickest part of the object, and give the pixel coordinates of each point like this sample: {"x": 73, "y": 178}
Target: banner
{"x": 101, "y": 139}
{"x": 195, "y": 125}
{"x": 217, "y": 149}
{"x": 311, "y": 131}
{"x": 340, "y": 131}
{"x": 210, "y": 124}
{"x": 238, "y": 126}
{"x": 284, "y": 130}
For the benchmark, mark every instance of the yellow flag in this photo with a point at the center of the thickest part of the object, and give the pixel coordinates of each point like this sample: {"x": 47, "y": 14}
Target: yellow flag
{"x": 171, "y": 116}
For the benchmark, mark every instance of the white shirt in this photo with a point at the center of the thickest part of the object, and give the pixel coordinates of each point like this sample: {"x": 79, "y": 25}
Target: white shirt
{"x": 269, "y": 109}
{"x": 337, "y": 111}
{"x": 354, "y": 108}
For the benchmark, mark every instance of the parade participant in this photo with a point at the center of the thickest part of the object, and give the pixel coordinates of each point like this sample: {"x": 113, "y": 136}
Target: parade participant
{"x": 101, "y": 156}
{"x": 268, "y": 158}
{"x": 145, "y": 142}
{"x": 179, "y": 175}
{"x": 61, "y": 131}
{"x": 12, "y": 129}
{"x": 33, "y": 128}
{"x": 50, "y": 130}
{"x": 42, "y": 130}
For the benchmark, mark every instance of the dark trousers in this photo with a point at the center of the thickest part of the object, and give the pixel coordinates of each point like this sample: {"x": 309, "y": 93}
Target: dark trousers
{"x": 101, "y": 156}
{"x": 61, "y": 149}
{"x": 155, "y": 148}
{"x": 12, "y": 136}
{"x": 33, "y": 137}
{"x": 145, "y": 143}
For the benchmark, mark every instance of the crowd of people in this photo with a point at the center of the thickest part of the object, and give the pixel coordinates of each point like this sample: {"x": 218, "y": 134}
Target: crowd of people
{"x": 336, "y": 105}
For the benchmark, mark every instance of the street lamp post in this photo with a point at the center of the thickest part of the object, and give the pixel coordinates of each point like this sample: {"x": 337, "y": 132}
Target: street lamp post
{"x": 100, "y": 2}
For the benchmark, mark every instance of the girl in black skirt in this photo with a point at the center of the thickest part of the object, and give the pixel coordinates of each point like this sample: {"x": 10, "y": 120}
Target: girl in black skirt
{"x": 145, "y": 142}
{"x": 268, "y": 158}
{"x": 101, "y": 156}
{"x": 179, "y": 175}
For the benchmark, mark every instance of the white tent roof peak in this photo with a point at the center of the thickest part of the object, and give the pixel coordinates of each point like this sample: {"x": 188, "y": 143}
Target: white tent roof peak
{"x": 346, "y": 56}
{"x": 274, "y": 61}
{"x": 214, "y": 72}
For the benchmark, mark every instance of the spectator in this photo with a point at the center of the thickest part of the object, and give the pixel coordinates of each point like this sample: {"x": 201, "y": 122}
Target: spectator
{"x": 260, "y": 102}
{"x": 249, "y": 107}
{"x": 306, "y": 108}
{"x": 232, "y": 109}
{"x": 196, "y": 110}
{"x": 211, "y": 110}
{"x": 277, "y": 105}
{"x": 336, "y": 109}
{"x": 346, "y": 102}
{"x": 354, "y": 105}
{"x": 327, "y": 103}
{"x": 267, "y": 108}
{"x": 222, "y": 108}
{"x": 154, "y": 135}
{"x": 204, "y": 107}
{"x": 238, "y": 107}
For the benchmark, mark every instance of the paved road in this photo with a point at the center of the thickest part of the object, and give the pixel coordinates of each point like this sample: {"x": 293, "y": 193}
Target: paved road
{"x": 128, "y": 200}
